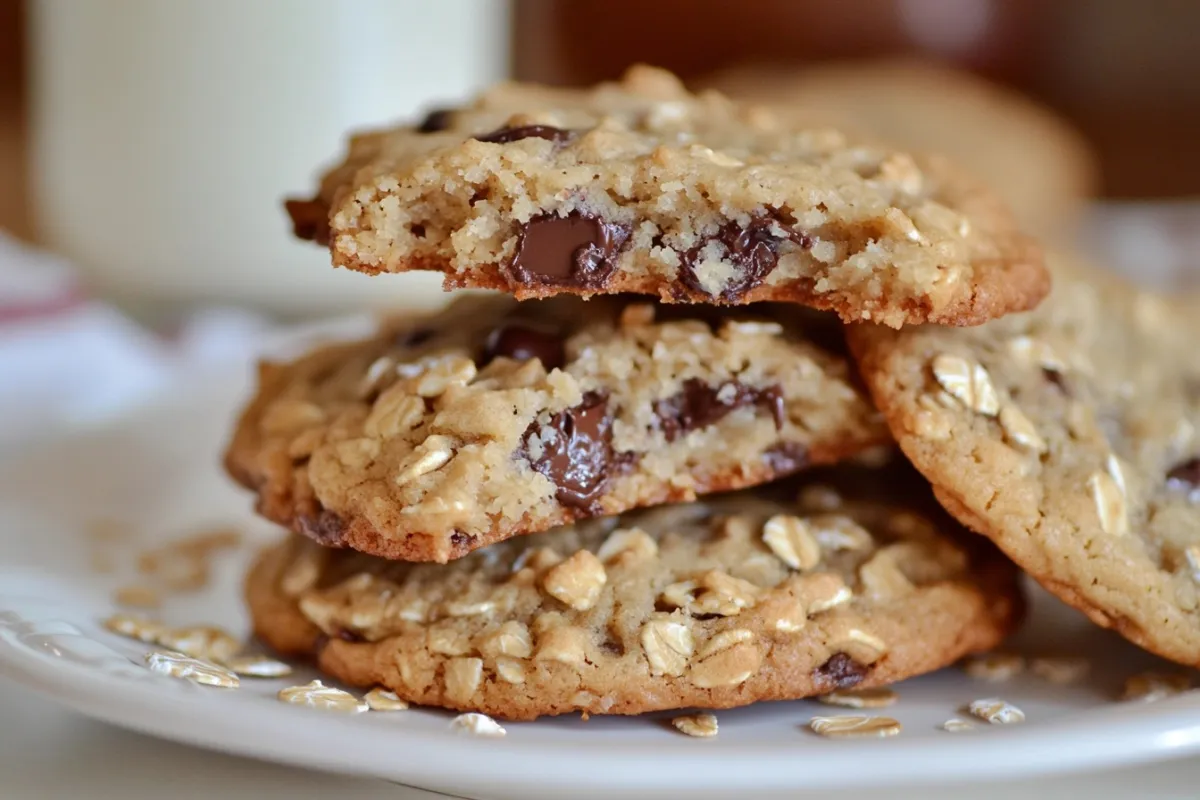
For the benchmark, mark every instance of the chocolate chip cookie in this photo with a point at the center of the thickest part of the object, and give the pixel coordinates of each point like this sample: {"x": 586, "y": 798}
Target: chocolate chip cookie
{"x": 642, "y": 187}
{"x": 1069, "y": 437}
{"x": 497, "y": 418}
{"x": 855, "y": 581}
{"x": 1041, "y": 166}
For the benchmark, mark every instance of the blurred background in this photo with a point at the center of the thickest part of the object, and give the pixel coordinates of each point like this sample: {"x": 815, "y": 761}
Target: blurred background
{"x": 151, "y": 141}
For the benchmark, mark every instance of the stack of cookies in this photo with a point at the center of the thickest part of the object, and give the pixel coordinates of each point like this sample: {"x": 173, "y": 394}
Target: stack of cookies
{"x": 510, "y": 507}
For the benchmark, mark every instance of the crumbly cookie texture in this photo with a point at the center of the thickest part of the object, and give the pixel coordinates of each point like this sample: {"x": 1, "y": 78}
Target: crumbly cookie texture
{"x": 497, "y": 418}
{"x": 1069, "y": 437}
{"x": 694, "y": 605}
{"x": 1040, "y": 165}
{"x": 642, "y": 187}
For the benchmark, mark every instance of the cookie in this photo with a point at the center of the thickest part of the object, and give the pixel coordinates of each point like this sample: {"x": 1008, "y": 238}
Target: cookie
{"x": 1039, "y": 164}
{"x": 857, "y": 580}
{"x": 1069, "y": 437}
{"x": 642, "y": 187}
{"x": 497, "y": 418}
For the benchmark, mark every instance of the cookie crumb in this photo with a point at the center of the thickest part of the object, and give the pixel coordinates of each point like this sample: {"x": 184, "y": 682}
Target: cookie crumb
{"x": 1060, "y": 670}
{"x": 477, "y": 725}
{"x": 326, "y": 698}
{"x": 382, "y": 700}
{"x": 854, "y": 726}
{"x": 996, "y": 711}
{"x": 196, "y": 670}
{"x": 701, "y": 726}
{"x": 1149, "y": 687}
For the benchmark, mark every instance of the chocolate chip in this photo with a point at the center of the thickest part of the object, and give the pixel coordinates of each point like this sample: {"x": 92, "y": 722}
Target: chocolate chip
{"x": 507, "y": 135}
{"x": 576, "y": 450}
{"x": 349, "y": 636}
{"x": 575, "y": 250}
{"x": 523, "y": 342}
{"x": 438, "y": 119}
{"x": 1185, "y": 475}
{"x": 700, "y": 405}
{"x": 459, "y": 541}
{"x": 839, "y": 672}
{"x": 786, "y": 457}
{"x": 324, "y": 527}
{"x": 415, "y": 337}
{"x": 1055, "y": 377}
{"x": 753, "y": 250}
{"x": 310, "y": 219}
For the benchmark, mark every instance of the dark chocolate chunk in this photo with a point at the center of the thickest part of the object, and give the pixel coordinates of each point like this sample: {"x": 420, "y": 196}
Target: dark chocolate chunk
{"x": 523, "y": 342}
{"x": 349, "y": 636}
{"x": 576, "y": 450}
{"x": 507, "y": 135}
{"x": 1185, "y": 475}
{"x": 415, "y": 337}
{"x": 1055, "y": 377}
{"x": 459, "y": 541}
{"x": 310, "y": 219}
{"x": 786, "y": 457}
{"x": 324, "y": 527}
{"x": 839, "y": 672}
{"x": 438, "y": 119}
{"x": 700, "y": 405}
{"x": 753, "y": 250}
{"x": 575, "y": 250}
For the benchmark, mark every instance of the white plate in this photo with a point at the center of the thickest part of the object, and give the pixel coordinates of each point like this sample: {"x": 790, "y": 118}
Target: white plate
{"x": 158, "y": 471}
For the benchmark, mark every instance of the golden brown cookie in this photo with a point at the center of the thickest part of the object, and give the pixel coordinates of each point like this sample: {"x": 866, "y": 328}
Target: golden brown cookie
{"x": 1035, "y": 160}
{"x": 1069, "y": 437}
{"x": 642, "y": 187}
{"x": 497, "y": 418}
{"x": 857, "y": 581}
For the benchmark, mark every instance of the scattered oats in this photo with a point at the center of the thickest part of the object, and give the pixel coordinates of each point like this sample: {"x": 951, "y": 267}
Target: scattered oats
{"x": 702, "y": 726}
{"x": 1110, "y": 503}
{"x": 196, "y": 670}
{"x": 996, "y": 711}
{"x": 1060, "y": 671}
{"x": 634, "y": 541}
{"x": 821, "y": 591}
{"x": 326, "y": 698}
{"x": 463, "y": 608}
{"x": 669, "y": 645}
{"x": 577, "y": 581}
{"x": 746, "y": 327}
{"x": 380, "y": 369}
{"x": 1035, "y": 351}
{"x": 994, "y": 667}
{"x": 565, "y": 644}
{"x": 727, "y": 659}
{"x": 863, "y": 647}
{"x": 1148, "y": 687}
{"x": 395, "y": 413}
{"x": 791, "y": 541}
{"x": 637, "y": 315}
{"x": 463, "y": 676}
{"x": 1192, "y": 554}
{"x": 430, "y": 455}
{"x": 881, "y": 577}
{"x": 837, "y": 532}
{"x": 382, "y": 700}
{"x": 861, "y": 698}
{"x": 819, "y": 497}
{"x": 477, "y": 725}
{"x": 144, "y": 630}
{"x": 304, "y": 568}
{"x": 957, "y": 725}
{"x": 288, "y": 415}
{"x": 967, "y": 382}
{"x": 201, "y": 641}
{"x": 440, "y": 373}
{"x": 510, "y": 670}
{"x": 137, "y": 596}
{"x": 258, "y": 666}
{"x": 720, "y": 593}
{"x": 854, "y": 726}
{"x": 1020, "y": 430}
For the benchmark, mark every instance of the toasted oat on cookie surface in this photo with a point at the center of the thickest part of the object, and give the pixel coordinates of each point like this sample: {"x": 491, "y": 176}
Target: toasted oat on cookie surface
{"x": 496, "y": 418}
{"x": 640, "y": 186}
{"x": 1068, "y": 436}
{"x": 683, "y": 606}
